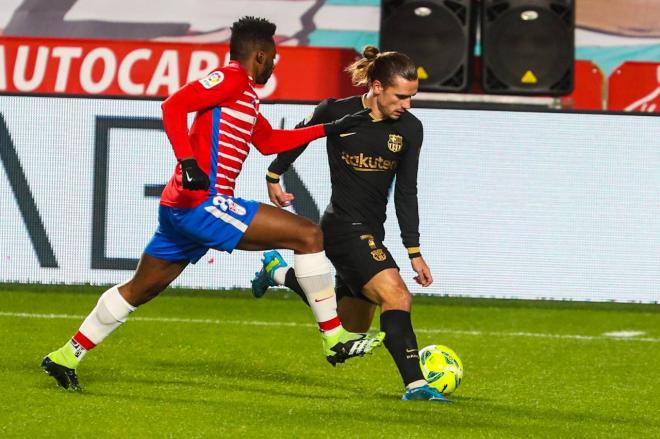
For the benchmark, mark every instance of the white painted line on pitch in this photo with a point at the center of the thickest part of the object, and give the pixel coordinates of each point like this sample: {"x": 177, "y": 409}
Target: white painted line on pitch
{"x": 624, "y": 334}
{"x": 311, "y": 325}
{"x": 536, "y": 334}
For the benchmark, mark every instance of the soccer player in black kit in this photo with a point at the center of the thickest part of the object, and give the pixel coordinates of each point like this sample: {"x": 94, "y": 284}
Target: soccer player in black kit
{"x": 363, "y": 164}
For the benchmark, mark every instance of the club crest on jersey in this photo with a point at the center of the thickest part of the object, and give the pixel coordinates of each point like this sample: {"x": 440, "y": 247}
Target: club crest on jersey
{"x": 236, "y": 208}
{"x": 395, "y": 143}
{"x": 378, "y": 255}
{"x": 226, "y": 203}
{"x": 212, "y": 80}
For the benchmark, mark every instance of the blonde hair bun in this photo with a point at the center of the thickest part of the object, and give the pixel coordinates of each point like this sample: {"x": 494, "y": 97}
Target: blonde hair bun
{"x": 370, "y": 52}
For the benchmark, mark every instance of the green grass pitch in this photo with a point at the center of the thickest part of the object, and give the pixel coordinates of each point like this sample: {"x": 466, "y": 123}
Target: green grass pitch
{"x": 221, "y": 364}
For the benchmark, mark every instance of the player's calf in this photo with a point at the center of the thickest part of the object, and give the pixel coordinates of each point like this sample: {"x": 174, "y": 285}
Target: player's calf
{"x": 110, "y": 312}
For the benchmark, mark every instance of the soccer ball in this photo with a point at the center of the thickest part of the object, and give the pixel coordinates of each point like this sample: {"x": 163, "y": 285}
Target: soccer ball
{"x": 441, "y": 367}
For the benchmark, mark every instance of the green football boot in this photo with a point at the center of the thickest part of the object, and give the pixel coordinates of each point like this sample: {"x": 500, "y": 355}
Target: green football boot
{"x": 61, "y": 365}
{"x": 343, "y": 345}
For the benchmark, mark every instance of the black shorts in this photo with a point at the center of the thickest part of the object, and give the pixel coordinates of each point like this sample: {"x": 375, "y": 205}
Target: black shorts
{"x": 357, "y": 252}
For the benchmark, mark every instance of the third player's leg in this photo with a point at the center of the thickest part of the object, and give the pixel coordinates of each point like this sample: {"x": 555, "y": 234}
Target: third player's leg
{"x": 356, "y": 314}
{"x": 272, "y": 227}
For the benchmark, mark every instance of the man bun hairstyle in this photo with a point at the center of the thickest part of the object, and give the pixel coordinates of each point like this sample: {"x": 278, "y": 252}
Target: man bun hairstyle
{"x": 383, "y": 67}
{"x": 249, "y": 33}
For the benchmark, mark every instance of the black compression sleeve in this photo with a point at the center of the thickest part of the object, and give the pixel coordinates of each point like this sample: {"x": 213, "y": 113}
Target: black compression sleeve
{"x": 405, "y": 193}
{"x": 284, "y": 160}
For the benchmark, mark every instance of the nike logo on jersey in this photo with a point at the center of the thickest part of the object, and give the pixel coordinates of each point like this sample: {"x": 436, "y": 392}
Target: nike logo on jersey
{"x": 347, "y": 134}
{"x": 188, "y": 179}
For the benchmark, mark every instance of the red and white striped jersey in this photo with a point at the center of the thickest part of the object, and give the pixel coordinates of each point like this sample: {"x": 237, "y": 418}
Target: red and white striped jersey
{"x": 226, "y": 123}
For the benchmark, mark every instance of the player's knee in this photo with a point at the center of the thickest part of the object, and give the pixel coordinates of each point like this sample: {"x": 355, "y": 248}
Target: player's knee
{"x": 137, "y": 295}
{"x": 397, "y": 297}
{"x": 404, "y": 299}
{"x": 311, "y": 238}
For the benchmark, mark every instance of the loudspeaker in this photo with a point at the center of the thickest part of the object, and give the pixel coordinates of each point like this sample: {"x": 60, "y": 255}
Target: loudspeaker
{"x": 436, "y": 34}
{"x": 528, "y": 46}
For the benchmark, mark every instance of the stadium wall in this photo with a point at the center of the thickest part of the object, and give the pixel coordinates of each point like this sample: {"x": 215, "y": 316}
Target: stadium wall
{"x": 532, "y": 205}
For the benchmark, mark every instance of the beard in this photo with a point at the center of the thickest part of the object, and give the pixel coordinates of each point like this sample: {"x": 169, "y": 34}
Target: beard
{"x": 264, "y": 77}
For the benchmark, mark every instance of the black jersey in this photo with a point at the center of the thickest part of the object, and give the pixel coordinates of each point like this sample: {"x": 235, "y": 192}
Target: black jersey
{"x": 363, "y": 163}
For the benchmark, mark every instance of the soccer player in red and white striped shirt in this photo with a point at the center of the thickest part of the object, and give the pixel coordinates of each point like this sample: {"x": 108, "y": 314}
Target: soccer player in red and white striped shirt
{"x": 198, "y": 209}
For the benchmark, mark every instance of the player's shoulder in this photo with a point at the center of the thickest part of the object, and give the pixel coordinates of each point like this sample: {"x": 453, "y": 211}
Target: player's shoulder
{"x": 342, "y": 106}
{"x": 225, "y": 75}
{"x": 411, "y": 127}
{"x": 410, "y": 121}
{"x": 350, "y": 103}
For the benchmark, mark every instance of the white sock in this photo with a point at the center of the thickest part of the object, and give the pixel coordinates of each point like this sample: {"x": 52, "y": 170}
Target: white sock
{"x": 279, "y": 275}
{"x": 313, "y": 275}
{"x": 416, "y": 384}
{"x": 109, "y": 313}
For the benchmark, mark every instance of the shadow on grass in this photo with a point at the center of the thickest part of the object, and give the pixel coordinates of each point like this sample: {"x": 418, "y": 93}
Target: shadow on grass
{"x": 317, "y": 395}
{"x": 226, "y": 368}
{"x": 224, "y": 374}
{"x": 549, "y": 416}
{"x": 358, "y": 408}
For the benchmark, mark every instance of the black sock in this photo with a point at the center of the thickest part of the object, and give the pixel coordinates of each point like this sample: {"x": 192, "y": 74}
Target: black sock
{"x": 291, "y": 282}
{"x": 401, "y": 342}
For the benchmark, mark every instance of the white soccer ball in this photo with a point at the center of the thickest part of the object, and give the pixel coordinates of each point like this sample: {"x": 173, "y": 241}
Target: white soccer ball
{"x": 441, "y": 367}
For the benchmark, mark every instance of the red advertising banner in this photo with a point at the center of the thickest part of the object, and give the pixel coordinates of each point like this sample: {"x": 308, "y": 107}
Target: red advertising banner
{"x": 635, "y": 86}
{"x": 589, "y": 88}
{"x": 157, "y": 69}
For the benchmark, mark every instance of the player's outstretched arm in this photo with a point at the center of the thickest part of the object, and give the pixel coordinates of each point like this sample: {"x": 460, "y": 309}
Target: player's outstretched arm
{"x": 271, "y": 141}
{"x": 347, "y": 122}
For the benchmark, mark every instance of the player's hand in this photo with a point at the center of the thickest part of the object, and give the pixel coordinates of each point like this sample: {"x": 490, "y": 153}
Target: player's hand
{"x": 347, "y": 122}
{"x": 423, "y": 271}
{"x": 192, "y": 176}
{"x": 278, "y": 196}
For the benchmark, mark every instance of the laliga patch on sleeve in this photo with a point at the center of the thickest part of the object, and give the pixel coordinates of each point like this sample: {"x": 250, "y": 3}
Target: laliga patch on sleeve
{"x": 212, "y": 80}
{"x": 308, "y": 118}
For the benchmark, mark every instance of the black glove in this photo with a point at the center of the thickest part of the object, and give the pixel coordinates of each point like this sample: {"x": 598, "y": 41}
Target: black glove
{"x": 193, "y": 177}
{"x": 347, "y": 122}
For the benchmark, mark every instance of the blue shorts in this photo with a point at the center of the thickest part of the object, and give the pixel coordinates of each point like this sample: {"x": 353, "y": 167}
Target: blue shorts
{"x": 187, "y": 234}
